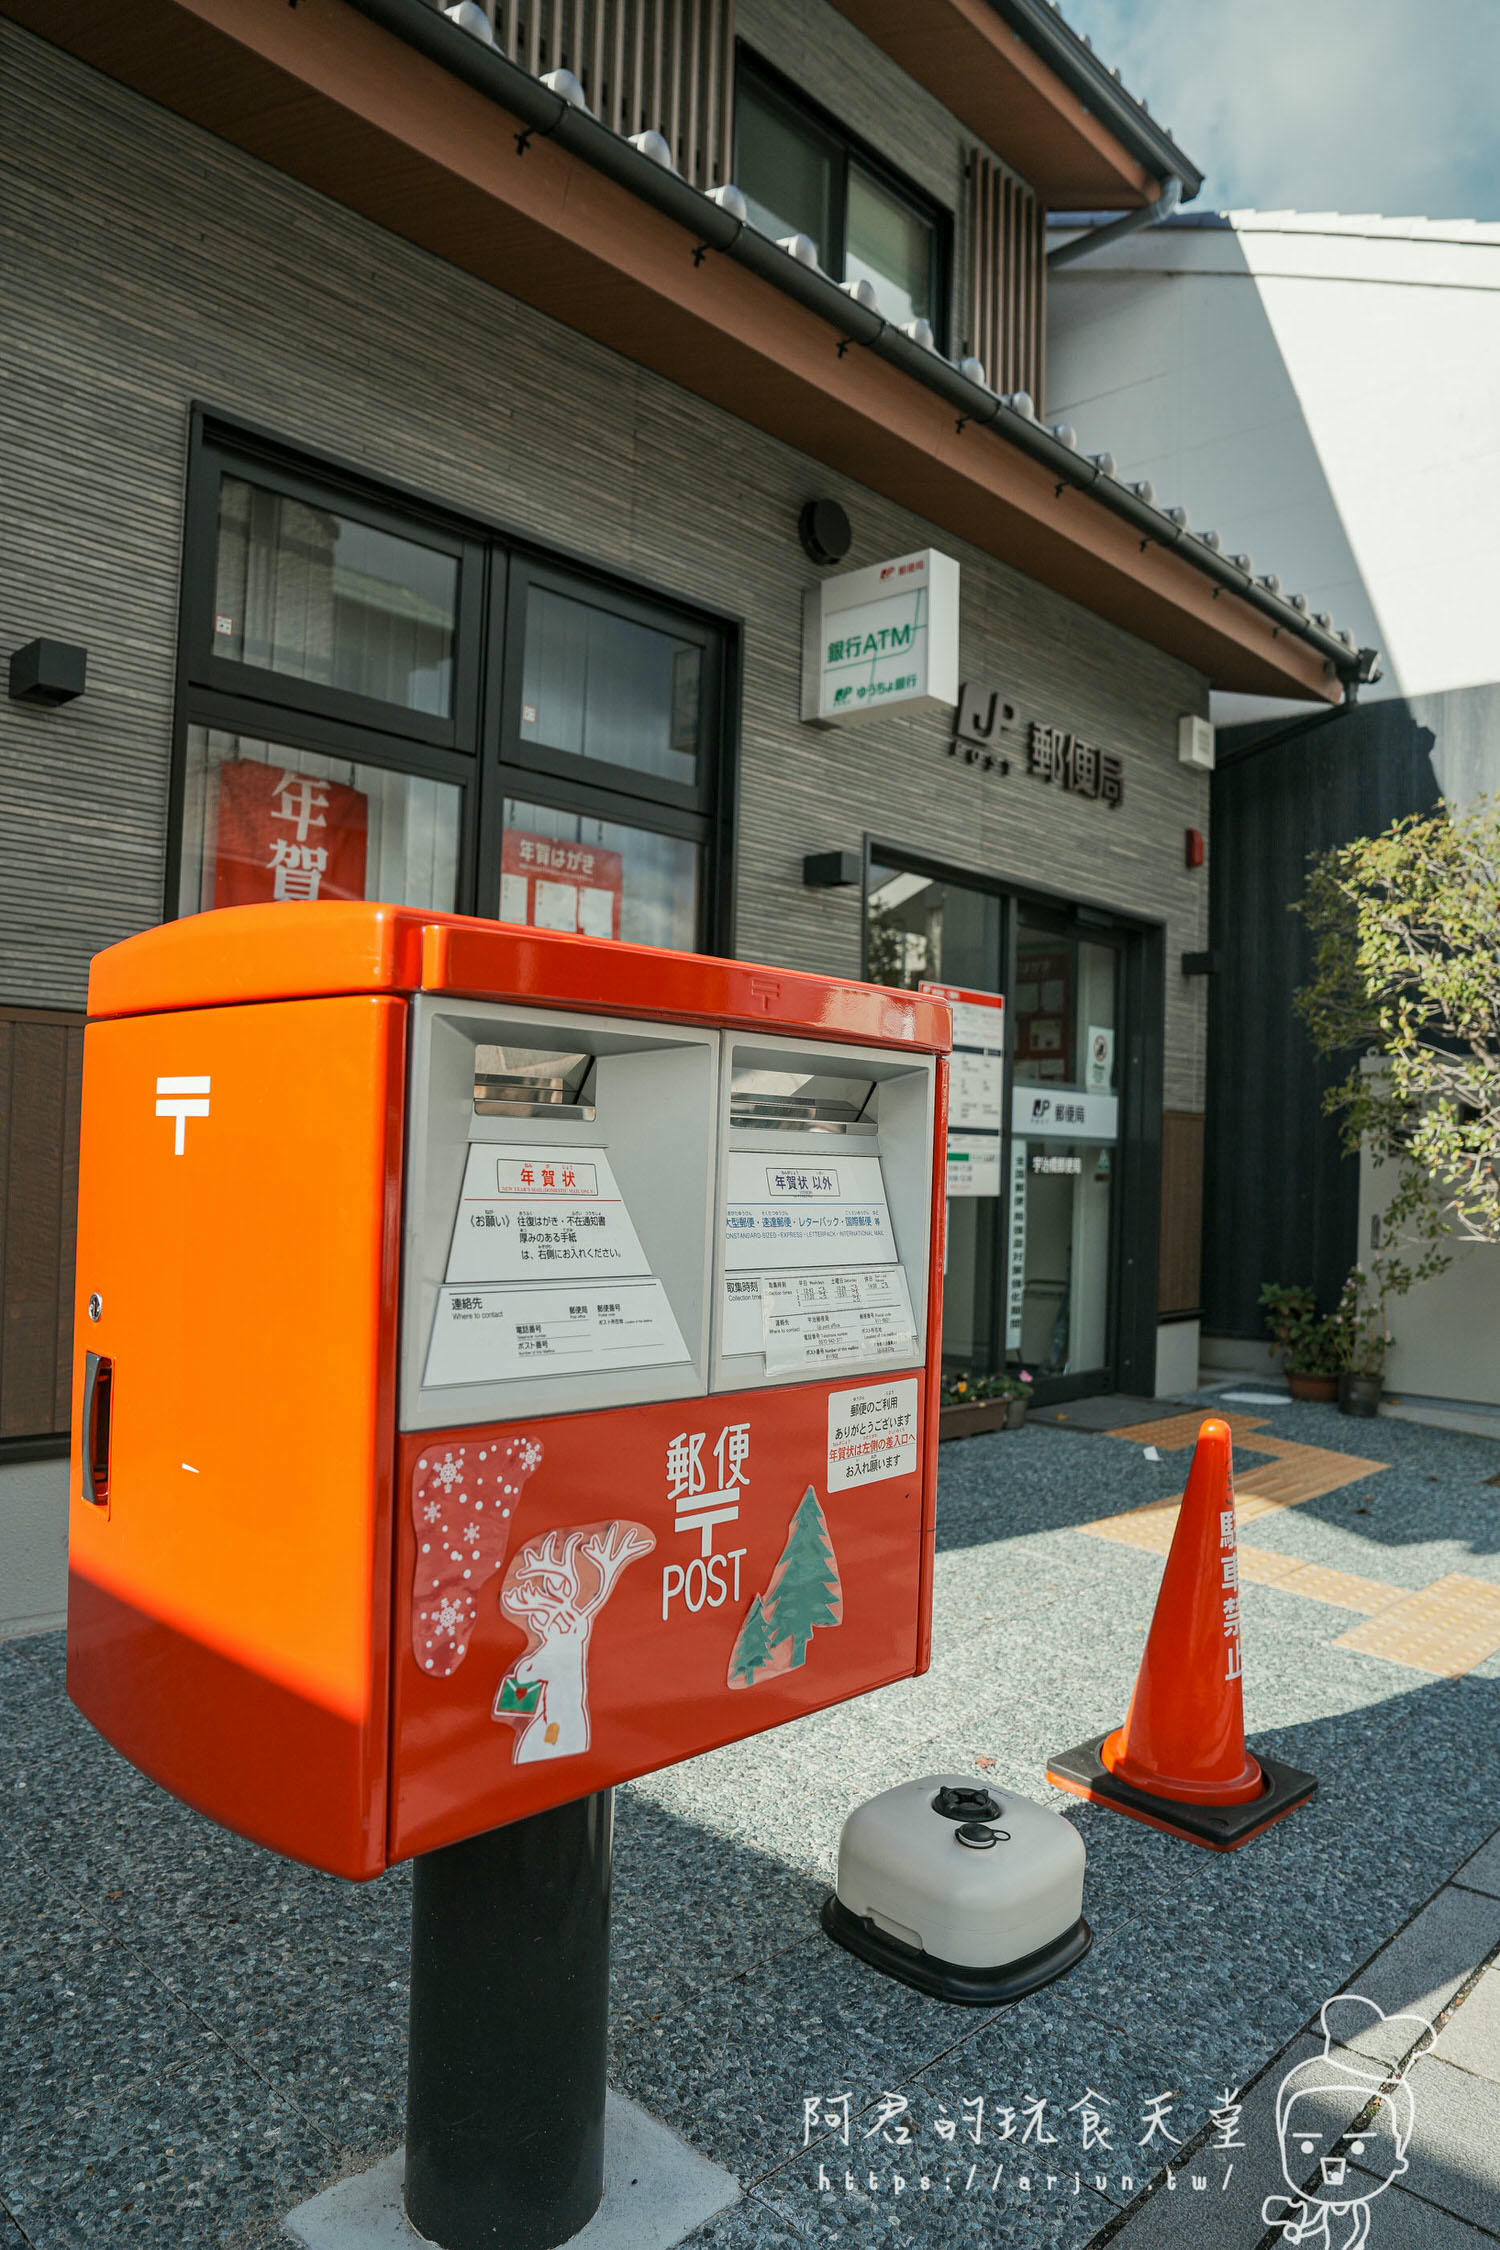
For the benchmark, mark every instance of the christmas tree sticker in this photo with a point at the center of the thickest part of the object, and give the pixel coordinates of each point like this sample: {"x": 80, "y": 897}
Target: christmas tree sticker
{"x": 805, "y": 1592}
{"x": 753, "y": 1653}
{"x": 804, "y": 1595}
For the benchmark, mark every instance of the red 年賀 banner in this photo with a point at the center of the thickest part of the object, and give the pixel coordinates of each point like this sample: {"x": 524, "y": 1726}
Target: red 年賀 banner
{"x": 557, "y": 886}
{"x": 284, "y": 835}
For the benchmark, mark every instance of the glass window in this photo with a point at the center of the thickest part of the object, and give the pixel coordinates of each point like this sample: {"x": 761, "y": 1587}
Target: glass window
{"x": 801, "y": 173}
{"x": 1064, "y": 1009}
{"x": 263, "y": 822}
{"x": 317, "y": 595}
{"x": 602, "y": 686}
{"x": 918, "y": 927}
{"x": 568, "y": 871}
{"x": 1060, "y": 1222}
{"x": 785, "y": 171}
{"x": 890, "y": 245}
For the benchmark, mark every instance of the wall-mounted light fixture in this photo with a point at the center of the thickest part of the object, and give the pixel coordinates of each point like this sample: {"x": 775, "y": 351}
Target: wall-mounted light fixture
{"x": 1202, "y": 964}
{"x": 47, "y": 672}
{"x": 1192, "y": 848}
{"x": 831, "y": 871}
{"x": 825, "y": 532}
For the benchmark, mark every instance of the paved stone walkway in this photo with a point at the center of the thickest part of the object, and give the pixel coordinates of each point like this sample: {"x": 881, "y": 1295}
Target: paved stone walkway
{"x": 197, "y": 2036}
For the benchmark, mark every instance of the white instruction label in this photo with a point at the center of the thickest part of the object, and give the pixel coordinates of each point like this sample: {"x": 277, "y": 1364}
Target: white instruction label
{"x": 973, "y": 1164}
{"x": 810, "y": 1213}
{"x": 495, "y": 1335}
{"x": 976, "y": 1094}
{"x": 812, "y": 1319}
{"x": 872, "y": 1433}
{"x": 541, "y": 1214}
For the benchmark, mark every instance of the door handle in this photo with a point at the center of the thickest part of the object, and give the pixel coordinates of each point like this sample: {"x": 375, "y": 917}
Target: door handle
{"x": 98, "y": 1396}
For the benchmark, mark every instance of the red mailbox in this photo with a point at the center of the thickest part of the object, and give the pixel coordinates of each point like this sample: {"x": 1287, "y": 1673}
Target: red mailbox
{"x": 507, "y": 1363}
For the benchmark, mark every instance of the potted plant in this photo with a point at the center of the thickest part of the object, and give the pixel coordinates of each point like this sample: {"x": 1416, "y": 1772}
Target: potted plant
{"x": 1364, "y": 1328}
{"x": 1307, "y": 1342}
{"x": 975, "y": 1403}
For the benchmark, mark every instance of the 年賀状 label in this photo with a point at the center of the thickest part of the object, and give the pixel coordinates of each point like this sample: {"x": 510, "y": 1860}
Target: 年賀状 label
{"x": 824, "y": 1212}
{"x": 541, "y": 1214}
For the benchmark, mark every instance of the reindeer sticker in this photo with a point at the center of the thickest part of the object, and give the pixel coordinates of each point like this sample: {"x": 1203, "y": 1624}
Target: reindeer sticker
{"x": 554, "y": 1589}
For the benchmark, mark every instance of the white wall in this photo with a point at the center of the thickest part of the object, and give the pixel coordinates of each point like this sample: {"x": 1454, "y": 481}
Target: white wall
{"x": 1447, "y": 1331}
{"x": 1323, "y": 391}
{"x": 33, "y": 1546}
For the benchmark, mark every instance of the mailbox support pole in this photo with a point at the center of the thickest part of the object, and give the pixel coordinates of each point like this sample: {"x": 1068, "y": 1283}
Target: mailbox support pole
{"x": 509, "y": 2014}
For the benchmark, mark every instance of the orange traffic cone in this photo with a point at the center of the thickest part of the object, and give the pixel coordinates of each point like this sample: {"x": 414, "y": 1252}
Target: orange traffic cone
{"x": 1179, "y": 1762}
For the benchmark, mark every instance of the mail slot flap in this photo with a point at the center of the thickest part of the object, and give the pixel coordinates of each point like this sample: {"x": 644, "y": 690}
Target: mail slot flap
{"x": 559, "y": 1197}
{"x": 822, "y": 1244}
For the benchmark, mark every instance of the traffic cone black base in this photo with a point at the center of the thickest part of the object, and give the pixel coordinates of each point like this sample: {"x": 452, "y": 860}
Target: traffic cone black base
{"x": 1219, "y": 1828}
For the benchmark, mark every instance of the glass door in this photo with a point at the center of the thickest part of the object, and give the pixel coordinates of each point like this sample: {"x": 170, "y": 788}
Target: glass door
{"x": 923, "y": 928}
{"x": 1064, "y": 1158}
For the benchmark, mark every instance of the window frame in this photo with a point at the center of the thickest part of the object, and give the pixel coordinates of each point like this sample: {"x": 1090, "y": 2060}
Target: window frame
{"x": 478, "y": 748}
{"x": 258, "y": 683}
{"x": 848, "y": 148}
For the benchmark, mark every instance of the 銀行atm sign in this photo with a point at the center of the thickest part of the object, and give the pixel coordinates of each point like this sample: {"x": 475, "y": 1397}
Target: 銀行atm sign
{"x": 586, "y": 1598}
{"x": 877, "y": 638}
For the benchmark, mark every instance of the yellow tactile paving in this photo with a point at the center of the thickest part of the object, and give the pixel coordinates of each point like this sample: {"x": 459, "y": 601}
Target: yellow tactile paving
{"x": 1175, "y": 1430}
{"x": 1151, "y": 1527}
{"x": 1151, "y": 1530}
{"x": 1262, "y": 1567}
{"x": 1301, "y": 1472}
{"x": 1249, "y": 1505}
{"x": 1446, "y": 1629}
{"x": 1339, "y": 1587}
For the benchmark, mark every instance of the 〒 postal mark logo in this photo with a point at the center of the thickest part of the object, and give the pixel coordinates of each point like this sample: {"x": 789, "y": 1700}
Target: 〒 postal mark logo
{"x": 182, "y": 1098}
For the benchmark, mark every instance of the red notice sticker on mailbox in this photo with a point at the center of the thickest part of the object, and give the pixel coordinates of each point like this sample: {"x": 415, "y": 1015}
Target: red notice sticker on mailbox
{"x": 872, "y": 1432}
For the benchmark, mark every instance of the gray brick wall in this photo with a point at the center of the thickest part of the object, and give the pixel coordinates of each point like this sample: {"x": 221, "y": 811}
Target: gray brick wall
{"x": 202, "y": 274}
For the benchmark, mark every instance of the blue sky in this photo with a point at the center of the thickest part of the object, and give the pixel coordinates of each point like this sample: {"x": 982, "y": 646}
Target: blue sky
{"x": 1319, "y": 105}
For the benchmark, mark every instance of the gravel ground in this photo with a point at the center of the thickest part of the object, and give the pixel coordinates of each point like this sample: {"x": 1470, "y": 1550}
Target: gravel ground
{"x": 198, "y": 2035}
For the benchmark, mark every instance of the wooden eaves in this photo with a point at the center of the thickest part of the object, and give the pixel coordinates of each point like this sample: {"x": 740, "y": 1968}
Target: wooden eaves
{"x": 332, "y": 98}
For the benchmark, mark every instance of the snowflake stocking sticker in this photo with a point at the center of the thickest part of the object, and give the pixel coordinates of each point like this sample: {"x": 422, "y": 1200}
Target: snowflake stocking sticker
{"x": 463, "y": 1501}
{"x": 554, "y": 1590}
{"x": 805, "y": 1595}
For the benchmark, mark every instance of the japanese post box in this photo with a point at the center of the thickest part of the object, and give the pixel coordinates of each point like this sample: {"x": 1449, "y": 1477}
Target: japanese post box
{"x": 507, "y": 1363}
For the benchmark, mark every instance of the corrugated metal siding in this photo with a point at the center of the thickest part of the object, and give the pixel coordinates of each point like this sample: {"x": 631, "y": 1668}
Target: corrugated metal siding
{"x": 1281, "y": 1200}
{"x": 202, "y": 273}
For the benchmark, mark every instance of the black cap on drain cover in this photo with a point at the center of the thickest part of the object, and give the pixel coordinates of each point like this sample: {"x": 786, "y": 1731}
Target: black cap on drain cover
{"x": 966, "y": 1804}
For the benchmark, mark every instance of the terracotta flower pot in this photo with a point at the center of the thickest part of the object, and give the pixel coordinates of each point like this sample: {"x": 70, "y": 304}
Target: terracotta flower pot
{"x": 1320, "y": 1390}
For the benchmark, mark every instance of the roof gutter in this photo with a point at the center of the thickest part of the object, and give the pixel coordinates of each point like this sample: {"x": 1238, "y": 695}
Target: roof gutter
{"x": 544, "y": 114}
{"x": 1084, "y": 245}
{"x": 1080, "y": 70}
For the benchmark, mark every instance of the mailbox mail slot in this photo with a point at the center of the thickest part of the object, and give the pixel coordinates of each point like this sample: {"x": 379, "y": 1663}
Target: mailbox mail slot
{"x": 521, "y": 1356}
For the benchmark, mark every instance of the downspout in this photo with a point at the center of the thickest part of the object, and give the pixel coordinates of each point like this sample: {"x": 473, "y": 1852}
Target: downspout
{"x": 1114, "y": 230}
